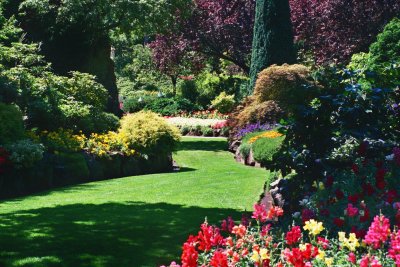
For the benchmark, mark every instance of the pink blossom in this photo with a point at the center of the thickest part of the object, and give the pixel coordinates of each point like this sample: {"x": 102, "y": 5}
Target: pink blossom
{"x": 351, "y": 211}
{"x": 378, "y": 232}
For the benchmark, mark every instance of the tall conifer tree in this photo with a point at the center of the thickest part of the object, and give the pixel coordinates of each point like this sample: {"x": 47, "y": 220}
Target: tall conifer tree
{"x": 273, "y": 37}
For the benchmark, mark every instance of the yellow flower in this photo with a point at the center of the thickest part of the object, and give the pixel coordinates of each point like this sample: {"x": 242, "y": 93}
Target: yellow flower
{"x": 270, "y": 134}
{"x": 329, "y": 261}
{"x": 314, "y": 227}
{"x": 264, "y": 254}
{"x": 321, "y": 255}
{"x": 255, "y": 257}
{"x": 351, "y": 243}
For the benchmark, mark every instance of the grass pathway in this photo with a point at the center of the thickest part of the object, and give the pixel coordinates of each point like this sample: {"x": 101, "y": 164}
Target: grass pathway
{"x": 134, "y": 221}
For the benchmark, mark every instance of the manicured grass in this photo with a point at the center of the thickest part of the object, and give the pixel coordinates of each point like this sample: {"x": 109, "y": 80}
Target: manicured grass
{"x": 134, "y": 221}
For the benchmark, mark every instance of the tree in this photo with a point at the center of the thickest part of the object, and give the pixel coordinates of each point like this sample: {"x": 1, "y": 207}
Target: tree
{"x": 76, "y": 33}
{"x": 273, "y": 37}
{"x": 336, "y": 29}
{"x": 173, "y": 56}
{"x": 222, "y": 29}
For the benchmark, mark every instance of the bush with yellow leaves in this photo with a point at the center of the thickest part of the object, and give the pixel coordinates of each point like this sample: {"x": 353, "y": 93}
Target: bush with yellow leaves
{"x": 149, "y": 133}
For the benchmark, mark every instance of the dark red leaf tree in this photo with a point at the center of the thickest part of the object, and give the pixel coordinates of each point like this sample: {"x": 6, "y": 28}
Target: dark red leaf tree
{"x": 336, "y": 29}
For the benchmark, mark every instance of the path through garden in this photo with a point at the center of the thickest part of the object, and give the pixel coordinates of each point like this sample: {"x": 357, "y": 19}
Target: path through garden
{"x": 134, "y": 221}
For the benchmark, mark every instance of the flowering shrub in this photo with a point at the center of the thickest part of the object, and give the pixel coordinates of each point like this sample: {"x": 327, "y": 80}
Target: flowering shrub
{"x": 62, "y": 140}
{"x": 258, "y": 243}
{"x": 349, "y": 199}
{"x": 204, "y": 114}
{"x": 25, "y": 153}
{"x": 106, "y": 145}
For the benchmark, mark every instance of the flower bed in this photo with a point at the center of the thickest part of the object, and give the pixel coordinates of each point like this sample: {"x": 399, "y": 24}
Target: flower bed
{"x": 259, "y": 243}
{"x": 200, "y": 127}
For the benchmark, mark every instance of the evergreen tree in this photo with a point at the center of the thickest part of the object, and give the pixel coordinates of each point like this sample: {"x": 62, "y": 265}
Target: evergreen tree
{"x": 273, "y": 37}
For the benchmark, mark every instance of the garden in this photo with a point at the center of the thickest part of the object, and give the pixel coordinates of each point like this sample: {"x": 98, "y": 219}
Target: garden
{"x": 186, "y": 133}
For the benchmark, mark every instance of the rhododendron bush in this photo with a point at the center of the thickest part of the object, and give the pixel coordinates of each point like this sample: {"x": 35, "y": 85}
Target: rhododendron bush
{"x": 261, "y": 243}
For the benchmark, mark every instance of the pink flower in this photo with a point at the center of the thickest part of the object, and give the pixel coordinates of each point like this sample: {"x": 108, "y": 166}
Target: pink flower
{"x": 394, "y": 249}
{"x": 351, "y": 211}
{"x": 260, "y": 213}
{"x": 378, "y": 232}
{"x": 364, "y": 261}
{"x": 352, "y": 258}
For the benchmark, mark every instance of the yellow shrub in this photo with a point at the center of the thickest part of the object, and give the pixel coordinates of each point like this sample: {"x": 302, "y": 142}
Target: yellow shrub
{"x": 149, "y": 133}
{"x": 288, "y": 85}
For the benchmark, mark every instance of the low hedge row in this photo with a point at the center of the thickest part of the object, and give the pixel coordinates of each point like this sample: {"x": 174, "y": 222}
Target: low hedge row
{"x": 63, "y": 169}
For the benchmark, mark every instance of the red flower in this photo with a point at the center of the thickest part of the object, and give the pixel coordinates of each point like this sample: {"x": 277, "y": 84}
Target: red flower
{"x": 189, "y": 255}
{"x": 219, "y": 259}
{"x": 368, "y": 189}
{"x": 293, "y": 236}
{"x": 227, "y": 225}
{"x": 274, "y": 212}
{"x": 338, "y": 222}
{"x": 339, "y": 194}
{"x": 366, "y": 216}
{"x": 391, "y": 196}
{"x": 380, "y": 178}
{"x": 209, "y": 237}
{"x": 353, "y": 198}
{"x": 360, "y": 233}
{"x": 352, "y": 258}
{"x": 323, "y": 242}
{"x": 351, "y": 211}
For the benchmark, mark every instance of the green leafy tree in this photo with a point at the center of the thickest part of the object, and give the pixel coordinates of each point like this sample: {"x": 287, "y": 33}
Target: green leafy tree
{"x": 273, "y": 37}
{"x": 76, "y": 33}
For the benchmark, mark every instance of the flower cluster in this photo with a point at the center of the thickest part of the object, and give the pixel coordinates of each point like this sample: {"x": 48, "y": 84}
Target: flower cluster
{"x": 62, "y": 140}
{"x": 262, "y": 245}
{"x": 270, "y": 134}
{"x": 203, "y": 114}
{"x": 182, "y": 121}
{"x": 106, "y": 145}
{"x": 254, "y": 127}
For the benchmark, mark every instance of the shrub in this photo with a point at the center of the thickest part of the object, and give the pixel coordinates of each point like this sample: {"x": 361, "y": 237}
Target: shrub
{"x": 224, "y": 103}
{"x": 11, "y": 126}
{"x": 288, "y": 85}
{"x": 25, "y": 153}
{"x": 265, "y": 148}
{"x": 244, "y": 149}
{"x": 148, "y": 133}
{"x": 104, "y": 122}
{"x": 185, "y": 129}
{"x": 188, "y": 89}
{"x": 169, "y": 106}
{"x": 381, "y": 66}
{"x": 262, "y": 113}
{"x": 207, "y": 131}
{"x": 58, "y": 141}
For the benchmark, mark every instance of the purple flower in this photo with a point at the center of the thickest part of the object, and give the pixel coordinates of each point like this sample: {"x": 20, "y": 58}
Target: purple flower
{"x": 250, "y": 128}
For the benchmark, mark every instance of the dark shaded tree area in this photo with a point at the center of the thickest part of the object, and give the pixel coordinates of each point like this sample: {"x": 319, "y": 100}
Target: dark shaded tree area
{"x": 273, "y": 37}
{"x": 336, "y": 29}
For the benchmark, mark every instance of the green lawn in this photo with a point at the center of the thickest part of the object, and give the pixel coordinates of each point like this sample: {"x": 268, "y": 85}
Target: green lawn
{"x": 134, "y": 221}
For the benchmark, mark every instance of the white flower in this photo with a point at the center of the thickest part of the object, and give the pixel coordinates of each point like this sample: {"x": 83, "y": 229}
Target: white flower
{"x": 304, "y": 202}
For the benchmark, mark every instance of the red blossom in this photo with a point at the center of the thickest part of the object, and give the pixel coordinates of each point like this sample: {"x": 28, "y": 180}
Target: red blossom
{"x": 219, "y": 259}
{"x": 339, "y": 194}
{"x": 351, "y": 211}
{"x": 209, "y": 237}
{"x": 329, "y": 181}
{"x": 338, "y": 222}
{"x": 189, "y": 254}
{"x": 352, "y": 258}
{"x": 293, "y": 236}
{"x": 260, "y": 213}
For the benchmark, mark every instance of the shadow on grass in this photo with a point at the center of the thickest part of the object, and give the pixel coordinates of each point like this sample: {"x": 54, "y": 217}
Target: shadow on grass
{"x": 205, "y": 145}
{"x": 110, "y": 234}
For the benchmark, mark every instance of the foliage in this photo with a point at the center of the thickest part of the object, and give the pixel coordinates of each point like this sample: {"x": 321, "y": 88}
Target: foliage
{"x": 288, "y": 85}
{"x": 58, "y": 141}
{"x": 173, "y": 57}
{"x": 224, "y": 103}
{"x": 273, "y": 37}
{"x": 25, "y": 153}
{"x": 12, "y": 125}
{"x": 350, "y": 198}
{"x": 148, "y": 133}
{"x": 169, "y": 106}
{"x": 221, "y": 29}
{"x": 335, "y": 30}
{"x": 315, "y": 132}
{"x": 210, "y": 85}
{"x": 134, "y": 66}
{"x": 188, "y": 89}
{"x": 380, "y": 67}
{"x": 267, "y": 112}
